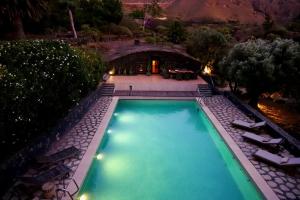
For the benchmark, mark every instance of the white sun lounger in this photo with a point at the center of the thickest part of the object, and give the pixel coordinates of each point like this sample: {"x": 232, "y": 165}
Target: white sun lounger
{"x": 244, "y": 124}
{"x": 276, "y": 159}
{"x": 262, "y": 140}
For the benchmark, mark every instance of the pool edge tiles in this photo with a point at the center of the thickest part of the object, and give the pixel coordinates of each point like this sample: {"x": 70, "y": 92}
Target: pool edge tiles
{"x": 251, "y": 171}
{"x": 86, "y": 162}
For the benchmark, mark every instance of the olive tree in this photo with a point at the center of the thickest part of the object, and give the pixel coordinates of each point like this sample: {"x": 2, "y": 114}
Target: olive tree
{"x": 250, "y": 65}
{"x": 207, "y": 45}
{"x": 263, "y": 66}
{"x": 286, "y": 58}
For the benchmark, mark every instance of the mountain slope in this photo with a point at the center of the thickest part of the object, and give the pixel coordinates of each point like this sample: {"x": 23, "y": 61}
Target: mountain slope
{"x": 244, "y": 11}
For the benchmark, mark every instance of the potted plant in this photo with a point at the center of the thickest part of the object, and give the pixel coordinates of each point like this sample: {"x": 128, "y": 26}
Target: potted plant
{"x": 165, "y": 73}
{"x": 119, "y": 70}
{"x": 148, "y": 73}
{"x": 131, "y": 72}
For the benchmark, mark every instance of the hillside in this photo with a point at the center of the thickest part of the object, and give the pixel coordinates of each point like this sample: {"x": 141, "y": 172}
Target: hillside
{"x": 244, "y": 11}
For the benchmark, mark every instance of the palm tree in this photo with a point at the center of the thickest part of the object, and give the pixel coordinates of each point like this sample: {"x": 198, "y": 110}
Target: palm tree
{"x": 16, "y": 10}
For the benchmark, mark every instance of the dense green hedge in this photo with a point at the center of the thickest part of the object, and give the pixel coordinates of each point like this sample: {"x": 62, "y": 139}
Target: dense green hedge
{"x": 39, "y": 82}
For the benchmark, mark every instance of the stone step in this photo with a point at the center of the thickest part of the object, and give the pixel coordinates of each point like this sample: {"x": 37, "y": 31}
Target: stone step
{"x": 107, "y": 89}
{"x": 204, "y": 90}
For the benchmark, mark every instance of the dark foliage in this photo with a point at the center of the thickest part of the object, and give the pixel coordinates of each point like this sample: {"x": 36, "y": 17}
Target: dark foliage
{"x": 39, "y": 82}
{"x": 176, "y": 32}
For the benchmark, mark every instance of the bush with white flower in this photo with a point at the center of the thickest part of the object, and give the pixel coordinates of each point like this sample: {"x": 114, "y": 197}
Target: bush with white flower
{"x": 39, "y": 82}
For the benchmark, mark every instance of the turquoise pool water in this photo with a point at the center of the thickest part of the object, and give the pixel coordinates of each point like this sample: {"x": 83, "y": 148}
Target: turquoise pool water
{"x": 164, "y": 150}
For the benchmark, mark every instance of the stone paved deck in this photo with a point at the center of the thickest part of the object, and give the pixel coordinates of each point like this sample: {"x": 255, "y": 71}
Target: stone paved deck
{"x": 80, "y": 136}
{"x": 154, "y": 83}
{"x": 82, "y": 133}
{"x": 157, "y": 93}
{"x": 284, "y": 182}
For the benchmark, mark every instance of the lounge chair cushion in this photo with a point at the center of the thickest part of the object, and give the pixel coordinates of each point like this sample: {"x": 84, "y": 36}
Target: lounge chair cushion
{"x": 265, "y": 139}
{"x": 251, "y": 124}
{"x": 277, "y": 159}
{"x": 284, "y": 160}
{"x": 60, "y": 155}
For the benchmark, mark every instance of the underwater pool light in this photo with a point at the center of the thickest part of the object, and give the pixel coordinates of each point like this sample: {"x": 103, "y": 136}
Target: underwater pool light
{"x": 83, "y": 197}
{"x": 100, "y": 156}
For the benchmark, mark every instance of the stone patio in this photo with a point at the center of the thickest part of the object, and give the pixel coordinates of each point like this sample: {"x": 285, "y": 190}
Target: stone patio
{"x": 80, "y": 136}
{"x": 284, "y": 182}
{"x": 153, "y": 83}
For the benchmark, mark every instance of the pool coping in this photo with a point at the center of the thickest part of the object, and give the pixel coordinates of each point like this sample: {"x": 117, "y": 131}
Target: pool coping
{"x": 87, "y": 159}
{"x": 249, "y": 168}
{"x": 85, "y": 163}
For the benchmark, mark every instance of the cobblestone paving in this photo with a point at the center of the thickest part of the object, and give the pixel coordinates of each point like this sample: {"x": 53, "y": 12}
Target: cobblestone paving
{"x": 80, "y": 136}
{"x": 284, "y": 182}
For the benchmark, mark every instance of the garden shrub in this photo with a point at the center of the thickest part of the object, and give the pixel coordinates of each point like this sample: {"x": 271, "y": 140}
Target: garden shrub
{"x": 137, "y": 14}
{"x": 131, "y": 25}
{"x": 91, "y": 32}
{"x": 39, "y": 82}
{"x": 150, "y": 40}
{"x": 179, "y": 76}
{"x": 118, "y": 30}
{"x": 186, "y": 76}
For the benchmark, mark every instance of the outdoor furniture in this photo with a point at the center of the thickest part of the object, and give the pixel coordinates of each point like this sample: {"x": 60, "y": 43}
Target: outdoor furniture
{"x": 276, "y": 159}
{"x": 60, "y": 155}
{"x": 247, "y": 125}
{"x": 56, "y": 172}
{"x": 262, "y": 140}
{"x": 180, "y": 74}
{"x": 26, "y": 185}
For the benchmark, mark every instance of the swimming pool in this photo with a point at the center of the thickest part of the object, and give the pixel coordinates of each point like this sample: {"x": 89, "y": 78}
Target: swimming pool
{"x": 162, "y": 149}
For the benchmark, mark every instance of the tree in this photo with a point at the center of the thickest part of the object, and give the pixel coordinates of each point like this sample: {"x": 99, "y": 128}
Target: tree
{"x": 250, "y": 65}
{"x": 89, "y": 12}
{"x": 70, "y": 5}
{"x": 111, "y": 11}
{"x": 153, "y": 9}
{"x": 262, "y": 66}
{"x": 137, "y": 14}
{"x": 268, "y": 24}
{"x": 16, "y": 11}
{"x": 150, "y": 11}
{"x": 176, "y": 32}
{"x": 286, "y": 58}
{"x": 207, "y": 45}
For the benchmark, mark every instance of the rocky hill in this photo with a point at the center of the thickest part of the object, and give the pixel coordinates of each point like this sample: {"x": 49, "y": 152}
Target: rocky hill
{"x": 244, "y": 11}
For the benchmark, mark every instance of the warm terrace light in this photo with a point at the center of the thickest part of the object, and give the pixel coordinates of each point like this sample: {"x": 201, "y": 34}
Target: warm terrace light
{"x": 99, "y": 156}
{"x": 83, "y": 197}
{"x": 207, "y": 70}
{"x": 111, "y": 72}
{"x": 116, "y": 114}
{"x": 109, "y": 131}
{"x": 162, "y": 18}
